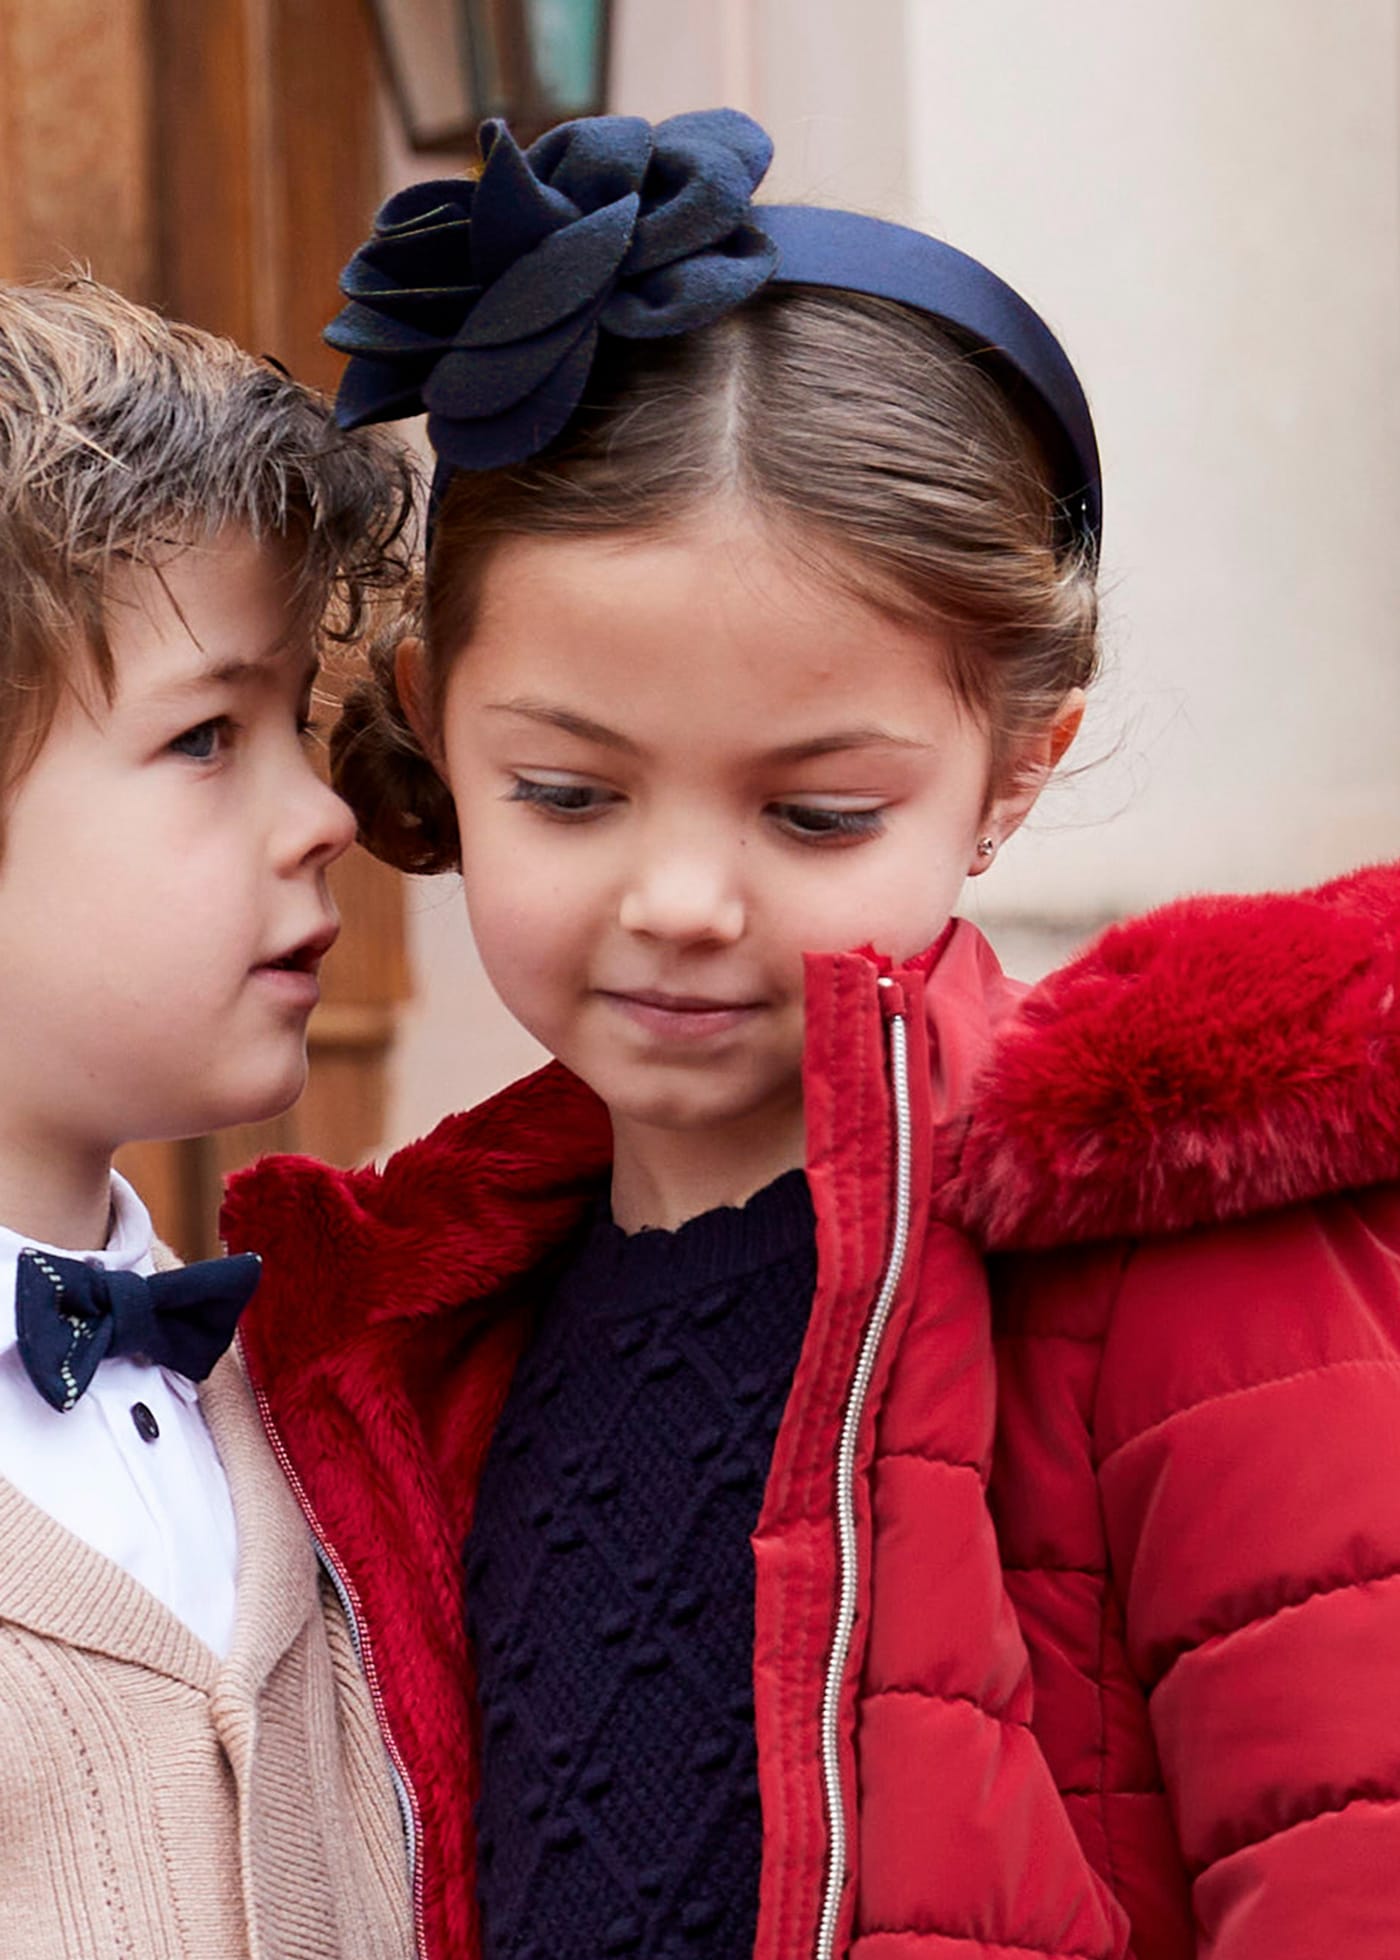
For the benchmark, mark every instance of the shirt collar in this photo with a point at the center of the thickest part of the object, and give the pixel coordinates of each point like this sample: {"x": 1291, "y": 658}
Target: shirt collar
{"x": 130, "y": 1240}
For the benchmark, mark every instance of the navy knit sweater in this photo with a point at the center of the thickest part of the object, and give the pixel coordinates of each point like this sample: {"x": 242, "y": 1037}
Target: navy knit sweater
{"x": 609, "y": 1584}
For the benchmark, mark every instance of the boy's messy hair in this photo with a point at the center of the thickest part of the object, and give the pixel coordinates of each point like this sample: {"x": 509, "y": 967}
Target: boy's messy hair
{"x": 123, "y": 434}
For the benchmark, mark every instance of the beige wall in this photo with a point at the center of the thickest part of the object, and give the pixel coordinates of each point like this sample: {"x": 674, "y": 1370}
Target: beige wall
{"x": 1205, "y": 200}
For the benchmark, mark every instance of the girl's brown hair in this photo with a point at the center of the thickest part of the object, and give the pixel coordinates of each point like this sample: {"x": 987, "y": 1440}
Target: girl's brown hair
{"x": 878, "y": 445}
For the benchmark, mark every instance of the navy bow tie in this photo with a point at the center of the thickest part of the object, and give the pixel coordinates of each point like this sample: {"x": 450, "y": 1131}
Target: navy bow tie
{"x": 69, "y": 1316}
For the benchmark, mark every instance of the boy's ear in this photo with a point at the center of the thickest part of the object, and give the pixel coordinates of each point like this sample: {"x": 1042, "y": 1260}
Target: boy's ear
{"x": 1035, "y": 761}
{"x": 408, "y": 685}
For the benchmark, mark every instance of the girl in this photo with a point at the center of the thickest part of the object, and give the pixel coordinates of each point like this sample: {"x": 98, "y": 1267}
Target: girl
{"x": 645, "y": 1415}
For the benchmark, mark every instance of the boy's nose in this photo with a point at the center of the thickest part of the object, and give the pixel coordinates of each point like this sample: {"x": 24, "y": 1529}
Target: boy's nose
{"x": 683, "y": 897}
{"x": 336, "y": 826}
{"x": 321, "y": 828}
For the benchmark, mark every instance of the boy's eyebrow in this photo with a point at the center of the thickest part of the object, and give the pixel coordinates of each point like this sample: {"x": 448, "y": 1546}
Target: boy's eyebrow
{"x": 238, "y": 668}
{"x": 867, "y": 736}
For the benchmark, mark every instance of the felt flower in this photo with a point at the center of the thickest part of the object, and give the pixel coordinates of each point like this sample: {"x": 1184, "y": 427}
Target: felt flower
{"x": 480, "y": 301}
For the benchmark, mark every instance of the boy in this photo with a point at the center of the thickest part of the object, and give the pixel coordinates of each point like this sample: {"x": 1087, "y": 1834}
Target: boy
{"x": 189, "y": 1757}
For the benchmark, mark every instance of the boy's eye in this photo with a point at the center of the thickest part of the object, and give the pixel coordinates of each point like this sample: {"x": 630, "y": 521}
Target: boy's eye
{"x": 560, "y": 799}
{"x": 205, "y": 741}
{"x": 820, "y": 824}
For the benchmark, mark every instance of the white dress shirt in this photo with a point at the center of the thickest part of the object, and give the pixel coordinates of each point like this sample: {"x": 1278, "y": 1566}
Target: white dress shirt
{"x": 160, "y": 1508}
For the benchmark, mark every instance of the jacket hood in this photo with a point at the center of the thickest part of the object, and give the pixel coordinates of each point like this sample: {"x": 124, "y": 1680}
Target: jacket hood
{"x": 1214, "y": 1059}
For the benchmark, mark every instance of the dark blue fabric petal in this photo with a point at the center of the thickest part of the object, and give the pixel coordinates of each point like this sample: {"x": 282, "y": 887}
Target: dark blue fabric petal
{"x": 570, "y": 269}
{"x": 433, "y": 259}
{"x": 749, "y": 141}
{"x": 698, "y": 189}
{"x": 381, "y": 391}
{"x": 595, "y": 160}
{"x": 497, "y": 441}
{"x": 514, "y": 209}
{"x": 438, "y": 200}
{"x": 470, "y": 382}
{"x": 691, "y": 292}
{"x": 408, "y": 319}
{"x": 358, "y": 329}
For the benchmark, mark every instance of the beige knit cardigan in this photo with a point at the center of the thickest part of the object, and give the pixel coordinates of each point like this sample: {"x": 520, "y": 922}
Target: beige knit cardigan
{"x": 157, "y": 1803}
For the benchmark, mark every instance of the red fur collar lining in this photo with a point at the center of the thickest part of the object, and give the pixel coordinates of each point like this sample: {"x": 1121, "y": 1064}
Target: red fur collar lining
{"x": 1219, "y": 1057}
{"x": 447, "y": 1221}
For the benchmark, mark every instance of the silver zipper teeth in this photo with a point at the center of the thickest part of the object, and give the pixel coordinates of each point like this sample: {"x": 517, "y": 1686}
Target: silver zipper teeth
{"x": 410, "y": 1826}
{"x": 845, "y": 1489}
{"x": 402, "y": 1791}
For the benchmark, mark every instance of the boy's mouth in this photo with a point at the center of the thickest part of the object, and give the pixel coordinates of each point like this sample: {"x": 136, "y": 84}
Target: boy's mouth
{"x": 306, "y": 956}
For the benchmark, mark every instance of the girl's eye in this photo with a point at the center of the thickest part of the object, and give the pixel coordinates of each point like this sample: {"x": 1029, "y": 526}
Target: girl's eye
{"x": 815, "y": 824}
{"x": 206, "y": 741}
{"x": 561, "y": 799}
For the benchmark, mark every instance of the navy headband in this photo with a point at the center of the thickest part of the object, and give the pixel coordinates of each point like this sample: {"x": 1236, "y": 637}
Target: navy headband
{"x": 858, "y": 254}
{"x": 480, "y": 301}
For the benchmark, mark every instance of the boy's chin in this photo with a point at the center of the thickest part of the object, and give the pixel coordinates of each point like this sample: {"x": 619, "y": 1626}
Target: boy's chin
{"x": 232, "y": 1107}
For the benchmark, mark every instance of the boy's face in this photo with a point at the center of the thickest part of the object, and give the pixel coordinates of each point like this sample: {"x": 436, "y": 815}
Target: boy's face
{"x": 163, "y": 902}
{"x": 679, "y": 764}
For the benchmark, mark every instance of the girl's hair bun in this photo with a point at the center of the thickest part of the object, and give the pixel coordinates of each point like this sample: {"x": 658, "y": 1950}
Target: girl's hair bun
{"x": 403, "y": 808}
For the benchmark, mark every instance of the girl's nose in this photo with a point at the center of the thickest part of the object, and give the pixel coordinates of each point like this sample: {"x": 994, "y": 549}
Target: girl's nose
{"x": 683, "y": 897}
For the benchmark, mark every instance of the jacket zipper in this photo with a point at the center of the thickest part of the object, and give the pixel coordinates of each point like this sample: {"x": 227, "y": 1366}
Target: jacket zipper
{"x": 350, "y": 1606}
{"x": 845, "y": 1472}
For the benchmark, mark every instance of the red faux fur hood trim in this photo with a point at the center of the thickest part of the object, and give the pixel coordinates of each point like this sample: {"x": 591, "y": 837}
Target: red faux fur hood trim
{"x": 1216, "y": 1058}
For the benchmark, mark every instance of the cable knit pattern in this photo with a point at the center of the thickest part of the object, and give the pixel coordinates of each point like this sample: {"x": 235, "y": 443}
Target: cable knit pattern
{"x": 160, "y": 1804}
{"x": 610, "y": 1589}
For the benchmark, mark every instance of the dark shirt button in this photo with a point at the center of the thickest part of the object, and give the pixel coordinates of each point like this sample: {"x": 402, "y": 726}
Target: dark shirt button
{"x": 147, "y": 1428}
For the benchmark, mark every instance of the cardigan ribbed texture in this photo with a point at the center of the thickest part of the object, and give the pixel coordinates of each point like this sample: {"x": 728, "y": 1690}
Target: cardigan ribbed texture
{"x": 159, "y": 1804}
{"x": 610, "y": 1589}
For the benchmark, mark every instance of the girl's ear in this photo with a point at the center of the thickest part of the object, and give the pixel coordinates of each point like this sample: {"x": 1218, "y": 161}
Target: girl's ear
{"x": 1034, "y": 761}
{"x": 409, "y": 686}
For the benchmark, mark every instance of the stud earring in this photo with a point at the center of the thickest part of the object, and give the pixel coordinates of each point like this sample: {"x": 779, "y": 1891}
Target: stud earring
{"x": 986, "y": 847}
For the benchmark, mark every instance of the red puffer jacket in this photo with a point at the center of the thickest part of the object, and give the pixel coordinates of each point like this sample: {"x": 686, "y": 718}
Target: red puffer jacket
{"x": 1145, "y": 1664}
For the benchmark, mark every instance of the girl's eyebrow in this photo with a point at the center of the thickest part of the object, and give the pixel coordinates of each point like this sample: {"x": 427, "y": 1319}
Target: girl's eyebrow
{"x": 565, "y": 719}
{"x": 840, "y": 740}
{"x": 837, "y": 742}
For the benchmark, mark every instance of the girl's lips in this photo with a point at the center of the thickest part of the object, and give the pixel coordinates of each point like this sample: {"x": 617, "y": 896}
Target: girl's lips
{"x": 681, "y": 1017}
